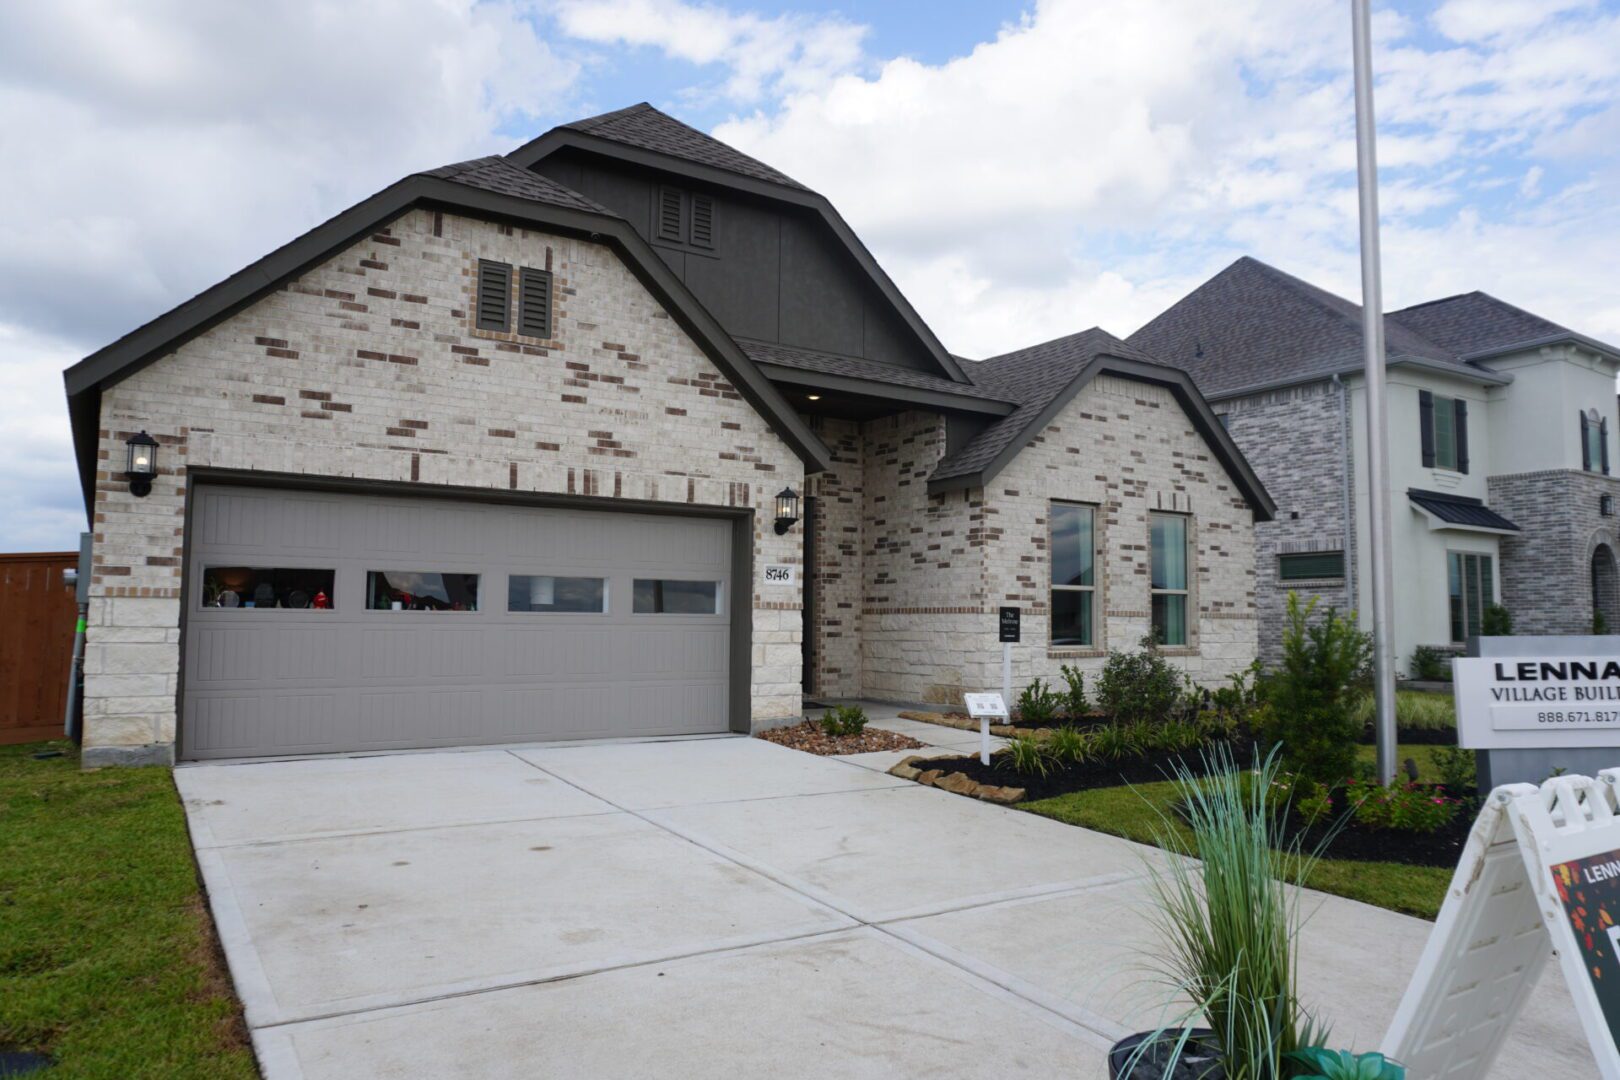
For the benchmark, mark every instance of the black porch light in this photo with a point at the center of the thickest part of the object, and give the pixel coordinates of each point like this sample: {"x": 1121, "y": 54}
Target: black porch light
{"x": 787, "y": 510}
{"x": 142, "y": 464}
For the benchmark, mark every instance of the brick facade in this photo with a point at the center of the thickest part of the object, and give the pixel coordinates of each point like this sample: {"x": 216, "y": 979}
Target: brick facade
{"x": 369, "y": 366}
{"x": 1547, "y": 569}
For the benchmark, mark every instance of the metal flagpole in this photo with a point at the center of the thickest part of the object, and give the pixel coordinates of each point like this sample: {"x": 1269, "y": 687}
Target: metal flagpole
{"x": 1381, "y": 580}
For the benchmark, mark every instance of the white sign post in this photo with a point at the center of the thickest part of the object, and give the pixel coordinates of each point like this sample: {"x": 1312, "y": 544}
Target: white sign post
{"x": 984, "y": 708}
{"x": 1540, "y": 875}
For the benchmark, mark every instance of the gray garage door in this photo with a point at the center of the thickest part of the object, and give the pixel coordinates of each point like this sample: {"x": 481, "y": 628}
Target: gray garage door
{"x": 325, "y": 622}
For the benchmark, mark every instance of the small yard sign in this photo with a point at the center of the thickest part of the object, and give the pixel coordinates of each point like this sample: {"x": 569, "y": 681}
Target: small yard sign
{"x": 985, "y": 708}
{"x": 1540, "y": 876}
{"x": 1009, "y": 624}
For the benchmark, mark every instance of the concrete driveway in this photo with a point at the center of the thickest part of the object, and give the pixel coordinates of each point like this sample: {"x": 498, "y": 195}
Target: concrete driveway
{"x": 704, "y": 907}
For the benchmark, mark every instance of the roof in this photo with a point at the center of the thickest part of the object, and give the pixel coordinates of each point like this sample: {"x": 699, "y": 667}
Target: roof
{"x": 762, "y": 352}
{"x": 1460, "y": 510}
{"x": 485, "y": 187}
{"x": 646, "y": 128}
{"x": 1478, "y": 324}
{"x": 1042, "y": 379}
{"x": 1252, "y": 326}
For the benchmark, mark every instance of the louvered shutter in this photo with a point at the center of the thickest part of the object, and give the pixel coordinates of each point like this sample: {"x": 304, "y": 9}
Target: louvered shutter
{"x": 1426, "y": 426}
{"x": 1603, "y": 437}
{"x": 1586, "y": 444}
{"x": 494, "y": 296}
{"x": 670, "y": 224}
{"x": 534, "y": 303}
{"x": 1462, "y": 435}
{"x": 702, "y": 221}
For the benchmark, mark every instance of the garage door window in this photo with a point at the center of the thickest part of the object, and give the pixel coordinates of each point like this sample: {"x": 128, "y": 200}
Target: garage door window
{"x": 662, "y": 596}
{"x": 416, "y": 590}
{"x": 262, "y": 588}
{"x": 543, "y": 592}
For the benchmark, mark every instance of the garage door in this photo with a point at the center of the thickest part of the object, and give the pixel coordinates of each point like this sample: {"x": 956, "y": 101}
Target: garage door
{"x": 324, "y": 622}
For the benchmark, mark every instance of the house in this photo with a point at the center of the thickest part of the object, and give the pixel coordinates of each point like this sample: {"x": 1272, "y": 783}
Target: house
{"x": 1500, "y": 429}
{"x": 624, "y": 433}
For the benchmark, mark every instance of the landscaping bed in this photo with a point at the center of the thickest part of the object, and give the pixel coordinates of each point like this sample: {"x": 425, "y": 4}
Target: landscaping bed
{"x": 812, "y": 738}
{"x": 1066, "y": 778}
{"x": 1355, "y": 843}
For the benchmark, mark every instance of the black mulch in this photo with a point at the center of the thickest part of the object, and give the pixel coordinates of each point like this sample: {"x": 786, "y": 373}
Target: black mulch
{"x": 1415, "y": 736}
{"x": 1150, "y": 769}
{"x": 1357, "y": 844}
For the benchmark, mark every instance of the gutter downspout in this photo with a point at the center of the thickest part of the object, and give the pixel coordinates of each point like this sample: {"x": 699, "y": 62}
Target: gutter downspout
{"x": 1348, "y": 493}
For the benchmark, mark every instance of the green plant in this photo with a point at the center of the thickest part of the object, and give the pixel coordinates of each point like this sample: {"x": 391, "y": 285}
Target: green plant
{"x": 1402, "y": 808}
{"x": 1115, "y": 742}
{"x": 1069, "y": 746}
{"x": 1496, "y": 621}
{"x": 1429, "y": 664}
{"x": 1314, "y": 805}
{"x": 1600, "y": 625}
{"x": 1140, "y": 685}
{"x": 844, "y": 720}
{"x": 1419, "y": 709}
{"x": 1038, "y": 704}
{"x": 1027, "y": 756}
{"x": 1075, "y": 704}
{"x": 1343, "y": 1065}
{"x": 1313, "y": 695}
{"x": 1239, "y": 698}
{"x": 1229, "y": 923}
{"x": 1456, "y": 768}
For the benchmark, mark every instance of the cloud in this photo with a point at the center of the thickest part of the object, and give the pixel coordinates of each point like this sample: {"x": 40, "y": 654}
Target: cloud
{"x": 40, "y": 489}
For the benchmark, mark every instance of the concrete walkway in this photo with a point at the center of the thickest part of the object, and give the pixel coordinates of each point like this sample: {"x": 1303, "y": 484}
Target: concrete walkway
{"x": 707, "y": 907}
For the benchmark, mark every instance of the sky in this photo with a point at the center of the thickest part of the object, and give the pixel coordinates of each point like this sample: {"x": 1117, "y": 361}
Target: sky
{"x": 1022, "y": 170}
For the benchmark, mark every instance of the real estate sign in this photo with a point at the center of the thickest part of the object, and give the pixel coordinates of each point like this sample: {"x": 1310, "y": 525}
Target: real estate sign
{"x": 1536, "y": 702}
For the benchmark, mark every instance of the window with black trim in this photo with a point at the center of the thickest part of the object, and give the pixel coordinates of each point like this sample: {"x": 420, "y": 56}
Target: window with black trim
{"x": 534, "y": 303}
{"x": 494, "y": 307}
{"x": 1072, "y": 542}
{"x": 1471, "y": 585}
{"x": 1594, "y": 442}
{"x": 1443, "y": 429}
{"x": 1168, "y": 589}
{"x": 1306, "y": 565}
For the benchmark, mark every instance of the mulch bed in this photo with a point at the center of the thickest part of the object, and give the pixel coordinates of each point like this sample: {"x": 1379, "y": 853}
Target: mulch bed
{"x": 810, "y": 738}
{"x": 1414, "y": 736}
{"x": 1150, "y": 769}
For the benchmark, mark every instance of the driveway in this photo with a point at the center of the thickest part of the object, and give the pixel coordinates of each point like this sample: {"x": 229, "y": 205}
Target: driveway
{"x": 705, "y": 907}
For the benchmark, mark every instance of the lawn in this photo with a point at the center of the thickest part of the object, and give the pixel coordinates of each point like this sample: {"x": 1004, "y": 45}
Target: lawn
{"x": 107, "y": 955}
{"x": 1128, "y": 812}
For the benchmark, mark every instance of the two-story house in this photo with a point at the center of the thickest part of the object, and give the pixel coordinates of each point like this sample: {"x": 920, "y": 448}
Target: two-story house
{"x": 1500, "y": 441}
{"x": 624, "y": 433}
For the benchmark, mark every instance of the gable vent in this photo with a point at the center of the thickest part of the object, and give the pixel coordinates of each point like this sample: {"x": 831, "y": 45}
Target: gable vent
{"x": 494, "y": 296}
{"x": 669, "y": 215}
{"x": 534, "y": 303}
{"x": 702, "y": 221}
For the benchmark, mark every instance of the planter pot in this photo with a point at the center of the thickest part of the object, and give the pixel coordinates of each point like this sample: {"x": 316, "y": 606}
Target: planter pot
{"x": 1199, "y": 1060}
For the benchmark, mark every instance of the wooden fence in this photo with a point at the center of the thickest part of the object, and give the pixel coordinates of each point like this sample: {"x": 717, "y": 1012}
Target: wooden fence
{"x": 37, "y": 617}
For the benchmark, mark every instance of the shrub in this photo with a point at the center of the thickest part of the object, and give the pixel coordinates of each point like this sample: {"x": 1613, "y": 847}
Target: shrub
{"x": 1075, "y": 704}
{"x": 1457, "y": 773}
{"x": 1496, "y": 621}
{"x": 1313, "y": 696}
{"x": 1315, "y": 805}
{"x": 1326, "y": 1064}
{"x": 1069, "y": 746}
{"x": 1115, "y": 742}
{"x": 1140, "y": 685}
{"x": 1038, "y": 704}
{"x": 1027, "y": 756}
{"x": 1430, "y": 664}
{"x": 1238, "y": 699}
{"x": 1413, "y": 709}
{"x": 844, "y": 720}
{"x": 1403, "y": 807}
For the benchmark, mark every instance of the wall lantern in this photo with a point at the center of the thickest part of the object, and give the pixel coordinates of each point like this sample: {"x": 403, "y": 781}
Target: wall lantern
{"x": 1606, "y": 505}
{"x": 787, "y": 510}
{"x": 142, "y": 465}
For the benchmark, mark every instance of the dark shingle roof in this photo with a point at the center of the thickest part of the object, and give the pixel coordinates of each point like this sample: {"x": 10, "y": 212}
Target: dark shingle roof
{"x": 502, "y": 177}
{"x": 1460, "y": 510}
{"x": 1252, "y": 325}
{"x": 761, "y": 352}
{"x": 1475, "y": 323}
{"x": 1031, "y": 378}
{"x": 645, "y": 127}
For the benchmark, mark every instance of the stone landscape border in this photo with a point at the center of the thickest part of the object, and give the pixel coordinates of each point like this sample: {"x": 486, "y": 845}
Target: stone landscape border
{"x": 925, "y": 770}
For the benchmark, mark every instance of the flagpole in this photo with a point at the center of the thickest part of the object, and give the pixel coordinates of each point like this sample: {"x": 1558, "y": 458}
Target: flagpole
{"x": 1381, "y": 580}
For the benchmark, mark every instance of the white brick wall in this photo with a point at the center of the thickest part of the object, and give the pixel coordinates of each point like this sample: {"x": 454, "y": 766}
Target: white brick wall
{"x": 369, "y": 367}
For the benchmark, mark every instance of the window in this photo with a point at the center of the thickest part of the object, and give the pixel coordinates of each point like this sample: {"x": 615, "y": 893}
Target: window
{"x": 534, "y": 303}
{"x": 661, "y": 596}
{"x": 1073, "y": 546}
{"x": 536, "y": 592}
{"x": 1594, "y": 442}
{"x": 260, "y": 587}
{"x": 494, "y": 296}
{"x": 1303, "y": 566}
{"x": 1444, "y": 430}
{"x": 1168, "y": 588}
{"x": 1472, "y": 591}
{"x": 411, "y": 590}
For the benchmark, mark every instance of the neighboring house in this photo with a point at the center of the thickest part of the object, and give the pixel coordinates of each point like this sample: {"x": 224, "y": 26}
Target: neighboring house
{"x": 496, "y": 455}
{"x": 1500, "y": 440}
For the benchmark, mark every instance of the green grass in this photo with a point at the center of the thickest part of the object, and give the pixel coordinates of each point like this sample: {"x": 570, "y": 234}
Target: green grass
{"x": 107, "y": 955}
{"x": 1126, "y": 811}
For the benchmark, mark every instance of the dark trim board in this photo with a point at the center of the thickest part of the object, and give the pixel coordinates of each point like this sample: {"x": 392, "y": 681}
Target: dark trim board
{"x": 899, "y": 394}
{"x": 740, "y": 692}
